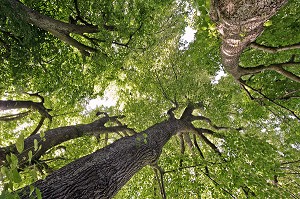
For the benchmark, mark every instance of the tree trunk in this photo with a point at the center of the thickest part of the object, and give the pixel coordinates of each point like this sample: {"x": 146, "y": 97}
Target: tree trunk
{"x": 240, "y": 23}
{"x": 103, "y": 173}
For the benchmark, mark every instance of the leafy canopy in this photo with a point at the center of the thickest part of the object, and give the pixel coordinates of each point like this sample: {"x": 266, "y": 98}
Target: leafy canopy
{"x": 140, "y": 57}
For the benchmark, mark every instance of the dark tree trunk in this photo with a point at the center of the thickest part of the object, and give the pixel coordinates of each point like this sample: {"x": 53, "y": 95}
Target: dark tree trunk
{"x": 103, "y": 173}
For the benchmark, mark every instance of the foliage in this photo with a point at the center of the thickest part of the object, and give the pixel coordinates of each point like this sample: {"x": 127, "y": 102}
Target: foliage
{"x": 144, "y": 60}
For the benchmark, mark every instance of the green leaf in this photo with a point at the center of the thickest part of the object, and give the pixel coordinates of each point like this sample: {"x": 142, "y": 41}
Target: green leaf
{"x": 33, "y": 173}
{"x": 268, "y": 23}
{"x": 36, "y": 144}
{"x": 38, "y": 193}
{"x": 8, "y": 158}
{"x": 42, "y": 134}
{"x": 31, "y": 188}
{"x": 4, "y": 171}
{"x": 8, "y": 195}
{"x": 14, "y": 161}
{"x": 20, "y": 143}
{"x": 29, "y": 156}
{"x": 15, "y": 176}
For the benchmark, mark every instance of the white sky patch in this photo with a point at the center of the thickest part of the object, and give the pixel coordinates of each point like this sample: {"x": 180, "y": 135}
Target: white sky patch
{"x": 296, "y": 146}
{"x": 23, "y": 126}
{"x": 109, "y": 99}
{"x": 187, "y": 37}
{"x": 220, "y": 73}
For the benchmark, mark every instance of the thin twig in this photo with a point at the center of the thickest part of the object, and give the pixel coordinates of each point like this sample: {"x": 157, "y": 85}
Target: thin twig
{"x": 271, "y": 100}
{"x": 40, "y": 124}
{"x": 159, "y": 172}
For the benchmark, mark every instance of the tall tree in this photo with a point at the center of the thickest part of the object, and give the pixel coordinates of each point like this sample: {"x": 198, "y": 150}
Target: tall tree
{"x": 239, "y": 141}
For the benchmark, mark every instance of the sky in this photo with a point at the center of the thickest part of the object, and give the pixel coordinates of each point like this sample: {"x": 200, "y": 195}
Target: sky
{"x": 110, "y": 95}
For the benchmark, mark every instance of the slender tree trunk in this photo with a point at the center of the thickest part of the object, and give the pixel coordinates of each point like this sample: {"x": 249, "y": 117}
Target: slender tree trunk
{"x": 103, "y": 173}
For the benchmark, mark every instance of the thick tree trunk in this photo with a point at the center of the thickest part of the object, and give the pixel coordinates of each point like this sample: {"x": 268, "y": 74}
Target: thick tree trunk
{"x": 103, "y": 173}
{"x": 240, "y": 23}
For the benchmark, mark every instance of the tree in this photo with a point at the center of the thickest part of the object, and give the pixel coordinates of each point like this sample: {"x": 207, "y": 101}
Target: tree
{"x": 228, "y": 143}
{"x": 103, "y": 173}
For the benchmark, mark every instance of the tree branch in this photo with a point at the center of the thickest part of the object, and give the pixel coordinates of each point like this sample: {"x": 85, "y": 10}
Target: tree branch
{"x": 159, "y": 172}
{"x": 188, "y": 140}
{"x": 218, "y": 185}
{"x": 274, "y": 67}
{"x": 182, "y": 149}
{"x": 59, "y": 29}
{"x": 209, "y": 143}
{"x": 84, "y": 49}
{"x": 187, "y": 113}
{"x": 12, "y": 117}
{"x": 269, "y": 99}
{"x": 11, "y": 104}
{"x": 59, "y": 135}
{"x": 274, "y": 49}
{"x": 288, "y": 95}
{"x": 40, "y": 124}
{"x": 206, "y": 119}
{"x": 7, "y": 52}
{"x": 201, "y": 153}
{"x": 78, "y": 15}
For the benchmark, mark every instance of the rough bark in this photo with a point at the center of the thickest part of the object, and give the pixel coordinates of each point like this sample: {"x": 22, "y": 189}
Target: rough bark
{"x": 103, "y": 173}
{"x": 57, "y": 136}
{"x": 59, "y": 29}
{"x": 240, "y": 23}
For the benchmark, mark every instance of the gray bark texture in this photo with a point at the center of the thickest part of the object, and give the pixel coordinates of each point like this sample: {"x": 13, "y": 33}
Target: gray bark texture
{"x": 103, "y": 173}
{"x": 240, "y": 22}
